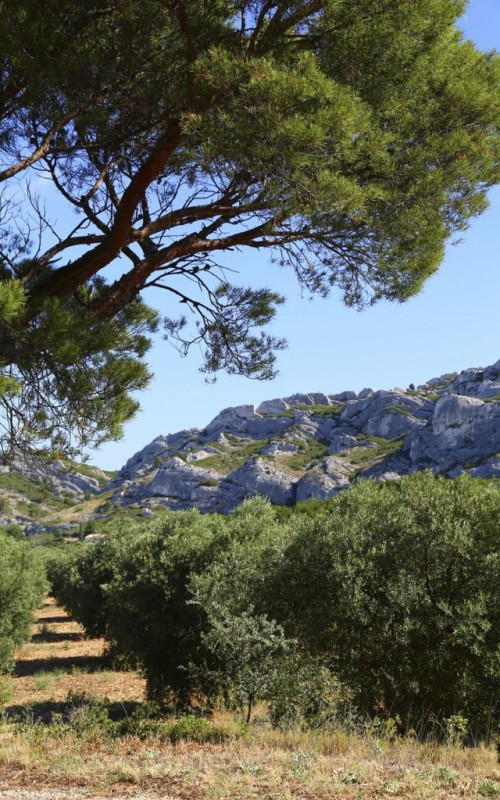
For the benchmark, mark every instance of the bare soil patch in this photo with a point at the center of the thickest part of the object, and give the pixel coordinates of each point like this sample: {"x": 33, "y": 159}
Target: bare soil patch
{"x": 59, "y": 660}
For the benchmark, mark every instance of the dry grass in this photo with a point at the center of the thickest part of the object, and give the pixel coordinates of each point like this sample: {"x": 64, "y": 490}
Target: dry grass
{"x": 81, "y": 511}
{"x": 311, "y": 768}
{"x": 266, "y": 764}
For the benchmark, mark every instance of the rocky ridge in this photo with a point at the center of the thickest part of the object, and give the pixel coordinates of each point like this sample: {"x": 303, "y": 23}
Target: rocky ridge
{"x": 32, "y": 489}
{"x": 313, "y": 445}
{"x": 288, "y": 449}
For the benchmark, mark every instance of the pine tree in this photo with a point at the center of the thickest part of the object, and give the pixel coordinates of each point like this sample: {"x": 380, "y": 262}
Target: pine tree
{"x": 349, "y": 140}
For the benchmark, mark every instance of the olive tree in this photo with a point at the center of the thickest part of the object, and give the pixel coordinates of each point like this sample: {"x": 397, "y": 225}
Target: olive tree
{"x": 22, "y": 585}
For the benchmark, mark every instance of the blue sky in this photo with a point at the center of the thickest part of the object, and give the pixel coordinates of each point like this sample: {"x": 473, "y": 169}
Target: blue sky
{"x": 452, "y": 324}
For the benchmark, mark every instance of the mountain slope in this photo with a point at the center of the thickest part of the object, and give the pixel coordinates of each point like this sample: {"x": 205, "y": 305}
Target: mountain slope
{"x": 33, "y": 491}
{"x": 289, "y": 449}
{"x": 313, "y": 445}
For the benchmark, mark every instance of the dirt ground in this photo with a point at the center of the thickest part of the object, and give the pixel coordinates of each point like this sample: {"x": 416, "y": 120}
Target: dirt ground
{"x": 59, "y": 659}
{"x": 37, "y": 764}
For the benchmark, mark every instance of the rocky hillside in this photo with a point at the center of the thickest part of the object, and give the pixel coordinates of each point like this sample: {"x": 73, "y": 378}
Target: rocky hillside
{"x": 312, "y": 445}
{"x": 34, "y": 492}
{"x": 289, "y": 449}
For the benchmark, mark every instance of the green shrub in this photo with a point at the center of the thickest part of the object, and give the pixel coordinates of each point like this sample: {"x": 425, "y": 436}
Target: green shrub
{"x": 89, "y": 718}
{"x": 248, "y": 652}
{"x": 397, "y": 588}
{"x": 6, "y": 692}
{"x": 391, "y": 594}
{"x": 22, "y": 586}
{"x": 132, "y": 588}
{"x": 197, "y": 729}
{"x": 77, "y": 576}
{"x": 145, "y": 723}
{"x": 305, "y": 693}
{"x": 14, "y": 530}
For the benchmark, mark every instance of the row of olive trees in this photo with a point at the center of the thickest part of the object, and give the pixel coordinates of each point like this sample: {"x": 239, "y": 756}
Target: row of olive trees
{"x": 387, "y": 603}
{"x": 22, "y": 586}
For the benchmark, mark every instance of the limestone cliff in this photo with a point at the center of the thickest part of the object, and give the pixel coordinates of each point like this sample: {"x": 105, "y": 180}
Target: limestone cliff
{"x": 313, "y": 445}
{"x": 288, "y": 449}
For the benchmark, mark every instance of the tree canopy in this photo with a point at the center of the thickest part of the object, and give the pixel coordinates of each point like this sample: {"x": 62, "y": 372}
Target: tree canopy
{"x": 350, "y": 140}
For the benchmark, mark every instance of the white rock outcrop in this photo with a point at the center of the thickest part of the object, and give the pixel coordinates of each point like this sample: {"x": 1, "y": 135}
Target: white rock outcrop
{"x": 450, "y": 424}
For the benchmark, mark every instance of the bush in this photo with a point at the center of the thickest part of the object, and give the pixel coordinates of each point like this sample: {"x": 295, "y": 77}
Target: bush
{"x": 89, "y": 718}
{"x": 248, "y": 652}
{"x": 77, "y": 576}
{"x": 397, "y": 589}
{"x": 133, "y": 588}
{"x": 391, "y": 596}
{"x": 14, "y": 530}
{"x": 150, "y": 617}
{"x": 6, "y": 692}
{"x": 4, "y": 505}
{"x": 197, "y": 729}
{"x": 147, "y": 722}
{"x": 136, "y": 589}
{"x": 22, "y": 586}
{"x": 305, "y": 693}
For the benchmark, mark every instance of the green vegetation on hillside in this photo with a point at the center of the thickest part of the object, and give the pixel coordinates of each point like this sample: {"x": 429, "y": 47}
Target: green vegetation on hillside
{"x": 399, "y": 410}
{"x": 102, "y": 476}
{"x": 32, "y": 498}
{"x": 310, "y": 453}
{"x": 364, "y": 457}
{"x": 234, "y": 455}
{"x": 315, "y": 409}
{"x": 36, "y": 500}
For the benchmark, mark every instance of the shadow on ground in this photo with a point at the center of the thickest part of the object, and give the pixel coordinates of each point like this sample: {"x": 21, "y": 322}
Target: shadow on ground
{"x": 52, "y": 620}
{"x": 53, "y": 636}
{"x": 85, "y": 663}
{"x": 47, "y": 711}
